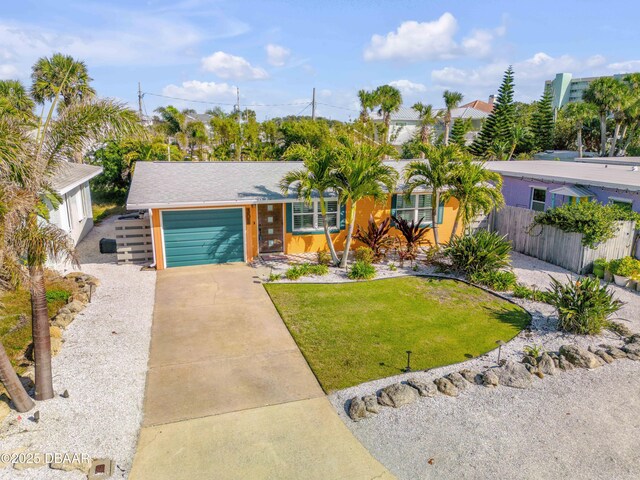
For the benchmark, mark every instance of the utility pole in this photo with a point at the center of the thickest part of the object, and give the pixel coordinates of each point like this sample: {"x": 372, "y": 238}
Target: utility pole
{"x": 239, "y": 140}
{"x": 140, "y": 101}
{"x": 313, "y": 104}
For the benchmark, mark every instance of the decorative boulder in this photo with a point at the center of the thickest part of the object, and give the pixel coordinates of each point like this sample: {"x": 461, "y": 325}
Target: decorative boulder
{"x": 580, "y": 357}
{"x": 615, "y": 352}
{"x": 471, "y": 376}
{"x": 635, "y": 338}
{"x": 490, "y": 379}
{"x": 397, "y": 395}
{"x": 633, "y": 348}
{"x": 604, "y": 356}
{"x": 565, "y": 364}
{"x": 74, "y": 306}
{"x": 514, "y": 375}
{"x": 425, "y": 389}
{"x": 458, "y": 380}
{"x": 546, "y": 365}
{"x": 371, "y": 403}
{"x": 446, "y": 387}
{"x": 530, "y": 360}
{"x": 357, "y": 409}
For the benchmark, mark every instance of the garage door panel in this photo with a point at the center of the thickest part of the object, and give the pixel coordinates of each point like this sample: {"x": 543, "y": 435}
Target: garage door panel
{"x": 200, "y": 237}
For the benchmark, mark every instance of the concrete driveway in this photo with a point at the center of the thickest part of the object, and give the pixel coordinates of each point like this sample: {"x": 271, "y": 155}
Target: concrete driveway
{"x": 229, "y": 395}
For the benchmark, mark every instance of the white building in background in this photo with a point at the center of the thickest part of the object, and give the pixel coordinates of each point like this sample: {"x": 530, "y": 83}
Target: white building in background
{"x": 74, "y": 215}
{"x": 405, "y": 123}
{"x": 567, "y": 89}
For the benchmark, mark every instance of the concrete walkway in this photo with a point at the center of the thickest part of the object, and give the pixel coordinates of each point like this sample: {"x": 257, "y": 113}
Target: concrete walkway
{"x": 229, "y": 395}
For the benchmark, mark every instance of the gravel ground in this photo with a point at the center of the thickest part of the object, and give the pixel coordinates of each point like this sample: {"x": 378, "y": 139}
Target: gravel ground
{"x": 103, "y": 364}
{"x": 579, "y": 424}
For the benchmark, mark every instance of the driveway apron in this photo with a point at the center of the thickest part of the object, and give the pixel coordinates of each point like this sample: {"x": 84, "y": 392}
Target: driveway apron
{"x": 229, "y": 395}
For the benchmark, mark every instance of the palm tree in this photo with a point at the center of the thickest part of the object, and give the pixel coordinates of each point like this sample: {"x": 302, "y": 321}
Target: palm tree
{"x": 477, "y": 189}
{"x": 61, "y": 71}
{"x": 432, "y": 174}
{"x": 78, "y": 125}
{"x": 519, "y": 135}
{"x": 621, "y": 97}
{"x": 367, "y": 103}
{"x": 361, "y": 173}
{"x": 580, "y": 112}
{"x": 389, "y": 100}
{"x": 11, "y": 382}
{"x": 314, "y": 178}
{"x": 601, "y": 93}
{"x": 451, "y": 101}
{"x": 15, "y": 100}
{"x": 427, "y": 118}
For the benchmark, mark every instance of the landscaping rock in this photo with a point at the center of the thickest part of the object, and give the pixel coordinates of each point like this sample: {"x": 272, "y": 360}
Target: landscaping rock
{"x": 38, "y": 461}
{"x": 81, "y": 297}
{"x": 532, "y": 369}
{"x": 74, "y": 306}
{"x": 490, "y": 379}
{"x": 635, "y": 338}
{"x": 425, "y": 389}
{"x": 530, "y": 360}
{"x": 397, "y": 394}
{"x": 615, "y": 352}
{"x": 633, "y": 348}
{"x": 446, "y": 387}
{"x": 458, "y": 380}
{"x": 565, "y": 364}
{"x": 580, "y": 357}
{"x": 5, "y": 409}
{"x": 633, "y": 356}
{"x": 63, "y": 320}
{"x": 371, "y": 403}
{"x": 514, "y": 375}
{"x": 546, "y": 365}
{"x": 604, "y": 356}
{"x": 471, "y": 376}
{"x": 357, "y": 409}
{"x": 71, "y": 462}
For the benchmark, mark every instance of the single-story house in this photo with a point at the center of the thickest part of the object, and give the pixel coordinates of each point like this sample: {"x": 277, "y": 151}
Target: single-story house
{"x": 542, "y": 184}
{"x": 219, "y": 212}
{"x": 74, "y": 214}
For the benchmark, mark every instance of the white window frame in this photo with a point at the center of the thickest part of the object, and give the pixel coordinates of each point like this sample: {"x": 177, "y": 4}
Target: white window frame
{"x": 532, "y": 201}
{"x": 614, "y": 200}
{"x": 317, "y": 216}
{"x": 416, "y": 209}
{"x": 80, "y": 205}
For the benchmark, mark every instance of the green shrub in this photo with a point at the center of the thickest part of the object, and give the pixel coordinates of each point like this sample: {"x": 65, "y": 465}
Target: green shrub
{"x": 57, "y": 295}
{"x": 522, "y": 291}
{"x": 601, "y": 262}
{"x": 376, "y": 237}
{"x": 583, "y": 305}
{"x": 304, "y": 269}
{"x": 362, "y": 271}
{"x": 534, "y": 350}
{"x": 392, "y": 267}
{"x": 324, "y": 258}
{"x": 625, "y": 267}
{"x": 498, "y": 280}
{"x": 274, "y": 277}
{"x": 481, "y": 252}
{"x": 596, "y": 222}
{"x": 364, "y": 254}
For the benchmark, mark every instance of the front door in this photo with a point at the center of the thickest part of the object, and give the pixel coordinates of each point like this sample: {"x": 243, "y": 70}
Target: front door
{"x": 270, "y": 228}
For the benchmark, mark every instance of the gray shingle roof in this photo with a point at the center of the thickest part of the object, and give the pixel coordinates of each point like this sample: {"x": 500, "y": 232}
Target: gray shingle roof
{"x": 166, "y": 184}
{"x": 620, "y": 177}
{"x": 70, "y": 175}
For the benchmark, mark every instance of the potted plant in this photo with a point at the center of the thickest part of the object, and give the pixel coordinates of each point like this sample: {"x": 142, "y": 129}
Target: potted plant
{"x": 623, "y": 269}
{"x": 599, "y": 267}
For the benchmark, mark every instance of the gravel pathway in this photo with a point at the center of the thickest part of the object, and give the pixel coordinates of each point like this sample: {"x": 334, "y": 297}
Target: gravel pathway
{"x": 103, "y": 364}
{"x": 579, "y": 424}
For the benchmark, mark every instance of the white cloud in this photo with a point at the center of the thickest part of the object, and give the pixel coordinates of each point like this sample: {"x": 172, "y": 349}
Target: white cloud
{"x": 204, "y": 91}
{"x": 8, "y": 71}
{"x": 277, "y": 55}
{"x": 435, "y": 40}
{"x": 630, "y": 66}
{"x": 408, "y": 87}
{"x": 228, "y": 66}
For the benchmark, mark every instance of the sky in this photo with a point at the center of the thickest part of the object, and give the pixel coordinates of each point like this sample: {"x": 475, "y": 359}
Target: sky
{"x": 276, "y": 52}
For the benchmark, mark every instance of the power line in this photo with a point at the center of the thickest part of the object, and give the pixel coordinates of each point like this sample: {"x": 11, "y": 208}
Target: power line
{"x": 336, "y": 106}
{"x": 225, "y": 104}
{"x": 300, "y": 112}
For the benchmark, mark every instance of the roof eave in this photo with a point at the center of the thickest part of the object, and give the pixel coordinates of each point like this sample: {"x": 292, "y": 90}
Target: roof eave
{"x": 86, "y": 178}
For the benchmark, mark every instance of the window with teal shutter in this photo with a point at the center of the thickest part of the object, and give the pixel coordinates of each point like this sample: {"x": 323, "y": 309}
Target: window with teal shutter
{"x": 414, "y": 208}
{"x": 440, "y": 212}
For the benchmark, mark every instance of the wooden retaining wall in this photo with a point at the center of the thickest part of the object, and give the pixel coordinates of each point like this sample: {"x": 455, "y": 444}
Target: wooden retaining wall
{"x": 133, "y": 238}
{"x": 555, "y": 246}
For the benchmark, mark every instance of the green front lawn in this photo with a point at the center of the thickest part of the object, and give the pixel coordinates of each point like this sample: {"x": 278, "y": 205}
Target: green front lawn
{"x": 355, "y": 332}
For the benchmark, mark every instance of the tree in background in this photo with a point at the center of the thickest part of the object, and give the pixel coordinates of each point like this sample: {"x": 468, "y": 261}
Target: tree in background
{"x": 64, "y": 72}
{"x": 388, "y": 99}
{"x": 427, "y": 118}
{"x": 451, "y": 100}
{"x": 578, "y": 113}
{"x": 367, "y": 104}
{"x": 461, "y": 126}
{"x": 15, "y": 101}
{"x": 602, "y": 93}
{"x": 498, "y": 127}
{"x": 542, "y": 123}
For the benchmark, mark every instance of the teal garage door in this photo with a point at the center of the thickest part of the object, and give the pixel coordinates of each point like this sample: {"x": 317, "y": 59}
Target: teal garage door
{"x": 200, "y": 237}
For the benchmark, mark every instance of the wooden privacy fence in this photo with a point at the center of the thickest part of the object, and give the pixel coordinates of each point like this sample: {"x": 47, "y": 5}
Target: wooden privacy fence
{"x": 555, "y": 246}
{"x": 133, "y": 239}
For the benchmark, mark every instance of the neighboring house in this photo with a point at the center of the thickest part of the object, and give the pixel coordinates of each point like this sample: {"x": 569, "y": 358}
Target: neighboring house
{"x": 567, "y": 89}
{"x": 219, "y": 212}
{"x": 563, "y": 155}
{"x": 74, "y": 214}
{"x": 480, "y": 105}
{"x": 630, "y": 161}
{"x": 542, "y": 184}
{"x": 404, "y": 125}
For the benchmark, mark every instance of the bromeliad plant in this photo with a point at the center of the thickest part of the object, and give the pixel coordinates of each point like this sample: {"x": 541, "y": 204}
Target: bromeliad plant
{"x": 584, "y": 306}
{"x": 412, "y": 232}
{"x": 376, "y": 237}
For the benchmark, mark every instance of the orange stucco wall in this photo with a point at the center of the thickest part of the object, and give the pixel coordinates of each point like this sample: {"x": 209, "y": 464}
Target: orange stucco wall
{"x": 309, "y": 243}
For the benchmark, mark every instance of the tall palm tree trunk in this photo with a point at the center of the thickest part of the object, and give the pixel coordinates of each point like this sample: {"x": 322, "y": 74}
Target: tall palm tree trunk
{"x": 435, "y": 204}
{"x": 325, "y": 225}
{"x": 447, "y": 129}
{"x": 12, "y": 383}
{"x": 347, "y": 243}
{"x": 603, "y": 135}
{"x": 454, "y": 230}
{"x": 580, "y": 148}
{"x": 616, "y": 132}
{"x": 41, "y": 334}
